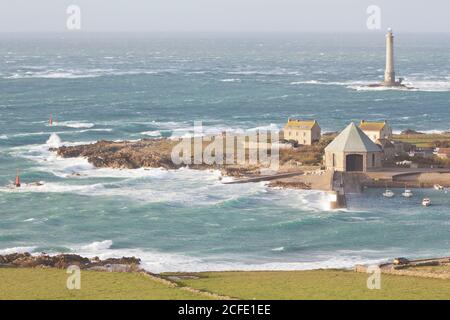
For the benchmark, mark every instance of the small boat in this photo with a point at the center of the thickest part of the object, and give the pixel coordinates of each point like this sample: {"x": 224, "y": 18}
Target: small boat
{"x": 438, "y": 187}
{"x": 407, "y": 194}
{"x": 388, "y": 193}
{"x": 426, "y": 202}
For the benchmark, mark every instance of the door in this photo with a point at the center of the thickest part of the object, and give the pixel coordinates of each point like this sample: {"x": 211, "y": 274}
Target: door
{"x": 354, "y": 162}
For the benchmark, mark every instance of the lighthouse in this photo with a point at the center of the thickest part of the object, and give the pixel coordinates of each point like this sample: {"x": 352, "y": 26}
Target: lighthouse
{"x": 389, "y": 73}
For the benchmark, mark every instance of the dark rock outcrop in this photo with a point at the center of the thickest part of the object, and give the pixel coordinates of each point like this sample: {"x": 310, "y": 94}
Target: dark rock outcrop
{"x": 63, "y": 261}
{"x": 410, "y": 131}
{"x": 151, "y": 153}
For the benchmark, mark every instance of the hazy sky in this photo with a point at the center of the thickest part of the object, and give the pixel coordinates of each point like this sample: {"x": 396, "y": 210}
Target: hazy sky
{"x": 225, "y": 15}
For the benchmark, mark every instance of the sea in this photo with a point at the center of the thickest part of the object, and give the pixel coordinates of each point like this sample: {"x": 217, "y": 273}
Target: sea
{"x": 134, "y": 86}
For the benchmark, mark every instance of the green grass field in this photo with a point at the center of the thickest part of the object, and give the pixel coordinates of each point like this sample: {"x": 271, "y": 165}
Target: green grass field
{"x": 423, "y": 140}
{"x": 318, "y": 284}
{"x": 51, "y": 284}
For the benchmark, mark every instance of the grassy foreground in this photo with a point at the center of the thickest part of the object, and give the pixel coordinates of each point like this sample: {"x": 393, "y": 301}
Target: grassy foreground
{"x": 51, "y": 284}
{"x": 318, "y": 284}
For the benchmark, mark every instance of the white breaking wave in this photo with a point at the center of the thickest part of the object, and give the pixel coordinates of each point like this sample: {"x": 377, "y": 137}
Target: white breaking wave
{"x": 54, "y": 141}
{"x": 73, "y": 124}
{"x": 42, "y": 133}
{"x": 432, "y": 86}
{"x": 97, "y": 245}
{"x": 184, "y": 186}
{"x": 17, "y": 250}
{"x": 51, "y": 187}
{"x": 157, "y": 262}
{"x": 415, "y": 84}
{"x": 188, "y": 189}
{"x": 231, "y": 80}
{"x": 155, "y": 133}
{"x": 3, "y": 137}
{"x": 50, "y": 75}
{"x": 436, "y": 131}
{"x": 95, "y": 130}
{"x": 188, "y": 132}
{"x": 78, "y": 73}
{"x": 306, "y": 82}
{"x": 276, "y": 72}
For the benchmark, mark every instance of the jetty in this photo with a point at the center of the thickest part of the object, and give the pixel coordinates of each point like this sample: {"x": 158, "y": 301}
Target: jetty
{"x": 266, "y": 177}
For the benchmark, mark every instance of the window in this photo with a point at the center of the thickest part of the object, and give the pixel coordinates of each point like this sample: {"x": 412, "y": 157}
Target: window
{"x": 373, "y": 159}
{"x": 334, "y": 160}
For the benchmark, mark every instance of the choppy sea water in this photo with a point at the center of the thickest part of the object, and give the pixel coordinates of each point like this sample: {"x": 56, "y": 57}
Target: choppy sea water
{"x": 136, "y": 86}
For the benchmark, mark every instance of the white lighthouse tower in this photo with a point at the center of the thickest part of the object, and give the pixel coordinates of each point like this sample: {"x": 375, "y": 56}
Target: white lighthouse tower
{"x": 389, "y": 73}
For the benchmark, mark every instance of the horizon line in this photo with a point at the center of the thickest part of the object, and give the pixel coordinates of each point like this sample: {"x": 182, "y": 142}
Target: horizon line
{"x": 216, "y": 32}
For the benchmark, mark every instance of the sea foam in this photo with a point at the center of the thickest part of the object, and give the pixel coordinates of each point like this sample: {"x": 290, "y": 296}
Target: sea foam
{"x": 156, "y": 261}
{"x": 73, "y": 124}
{"x": 415, "y": 84}
{"x": 17, "y": 250}
{"x": 54, "y": 141}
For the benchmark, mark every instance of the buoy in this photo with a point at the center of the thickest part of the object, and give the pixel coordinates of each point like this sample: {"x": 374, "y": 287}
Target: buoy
{"x": 17, "y": 184}
{"x": 50, "y": 121}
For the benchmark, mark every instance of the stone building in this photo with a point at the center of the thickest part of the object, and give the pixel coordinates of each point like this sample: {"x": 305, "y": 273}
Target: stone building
{"x": 376, "y": 130}
{"x": 352, "y": 150}
{"x": 305, "y": 132}
{"x": 387, "y": 147}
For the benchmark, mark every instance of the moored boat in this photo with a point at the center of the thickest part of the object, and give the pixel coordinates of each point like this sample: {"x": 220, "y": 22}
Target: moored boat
{"x": 388, "y": 193}
{"x": 407, "y": 194}
{"x": 426, "y": 202}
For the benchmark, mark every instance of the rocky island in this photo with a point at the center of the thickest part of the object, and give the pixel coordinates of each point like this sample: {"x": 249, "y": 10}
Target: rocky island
{"x": 156, "y": 153}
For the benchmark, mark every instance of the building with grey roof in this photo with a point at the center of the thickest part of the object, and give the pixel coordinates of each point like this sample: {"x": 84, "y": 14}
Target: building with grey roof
{"x": 352, "y": 150}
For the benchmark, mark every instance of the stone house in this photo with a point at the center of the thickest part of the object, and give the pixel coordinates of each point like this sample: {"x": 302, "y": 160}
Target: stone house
{"x": 305, "y": 132}
{"x": 376, "y": 130}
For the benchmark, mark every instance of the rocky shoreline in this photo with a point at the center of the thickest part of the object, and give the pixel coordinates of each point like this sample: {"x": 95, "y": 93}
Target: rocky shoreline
{"x": 146, "y": 153}
{"x": 152, "y": 153}
{"x": 63, "y": 261}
